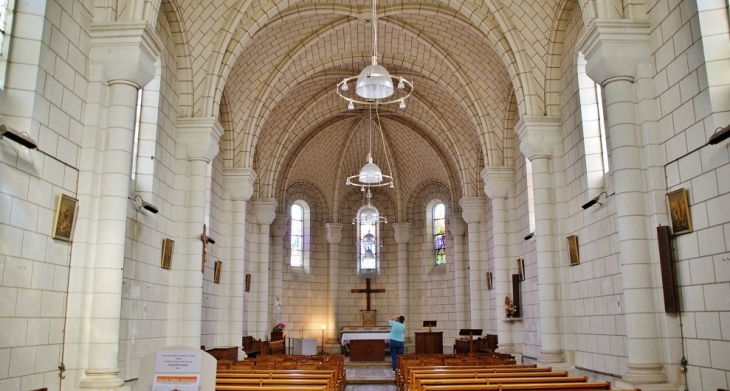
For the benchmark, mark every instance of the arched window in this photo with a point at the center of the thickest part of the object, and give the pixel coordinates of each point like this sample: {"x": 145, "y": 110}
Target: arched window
{"x": 530, "y": 195}
{"x": 7, "y": 14}
{"x": 368, "y": 240}
{"x": 299, "y": 234}
{"x": 594, "y": 127}
{"x": 439, "y": 233}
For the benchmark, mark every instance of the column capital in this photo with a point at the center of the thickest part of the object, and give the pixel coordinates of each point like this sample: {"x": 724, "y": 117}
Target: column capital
{"x": 126, "y": 51}
{"x": 538, "y": 135}
{"x": 403, "y": 232}
{"x": 334, "y": 232}
{"x": 280, "y": 225}
{"x": 200, "y": 137}
{"x": 265, "y": 210}
{"x": 498, "y": 181}
{"x": 457, "y": 226}
{"x": 472, "y": 209}
{"x": 614, "y": 48}
{"x": 239, "y": 182}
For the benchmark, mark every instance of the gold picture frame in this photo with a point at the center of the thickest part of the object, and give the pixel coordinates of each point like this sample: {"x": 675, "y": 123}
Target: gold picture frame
{"x": 678, "y": 204}
{"x": 168, "y": 246}
{"x": 248, "y": 282}
{"x": 490, "y": 281}
{"x": 217, "y": 272}
{"x": 65, "y": 217}
{"x": 573, "y": 250}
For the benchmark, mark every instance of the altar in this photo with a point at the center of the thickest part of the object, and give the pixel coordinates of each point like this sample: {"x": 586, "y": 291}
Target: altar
{"x": 365, "y": 343}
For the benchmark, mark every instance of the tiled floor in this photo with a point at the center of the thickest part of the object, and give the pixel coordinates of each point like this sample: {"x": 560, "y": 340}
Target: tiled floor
{"x": 371, "y": 387}
{"x": 380, "y": 375}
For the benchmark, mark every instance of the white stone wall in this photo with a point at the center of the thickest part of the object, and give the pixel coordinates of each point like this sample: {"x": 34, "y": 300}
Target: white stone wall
{"x": 690, "y": 41}
{"x": 44, "y": 97}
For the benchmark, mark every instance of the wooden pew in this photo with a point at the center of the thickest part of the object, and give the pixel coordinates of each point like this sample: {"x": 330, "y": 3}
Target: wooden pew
{"x": 422, "y": 383}
{"x": 269, "y": 388}
{"x": 228, "y": 377}
{"x": 483, "y": 377}
{"x": 523, "y": 387}
{"x": 462, "y": 371}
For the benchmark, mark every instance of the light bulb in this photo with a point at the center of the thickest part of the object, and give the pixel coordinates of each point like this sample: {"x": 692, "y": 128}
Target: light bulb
{"x": 402, "y": 104}
{"x": 345, "y": 87}
{"x": 401, "y": 85}
{"x": 350, "y": 106}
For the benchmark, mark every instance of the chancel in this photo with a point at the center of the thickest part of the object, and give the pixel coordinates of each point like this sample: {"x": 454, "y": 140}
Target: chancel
{"x": 427, "y": 158}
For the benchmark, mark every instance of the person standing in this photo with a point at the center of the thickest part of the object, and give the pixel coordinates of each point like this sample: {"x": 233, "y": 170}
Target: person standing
{"x": 397, "y": 338}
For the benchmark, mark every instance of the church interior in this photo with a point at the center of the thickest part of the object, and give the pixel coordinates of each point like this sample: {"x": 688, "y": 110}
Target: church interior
{"x": 188, "y": 173}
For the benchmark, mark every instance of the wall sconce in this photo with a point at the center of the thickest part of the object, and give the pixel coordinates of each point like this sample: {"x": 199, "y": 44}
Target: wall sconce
{"x": 144, "y": 205}
{"x": 595, "y": 200}
{"x": 720, "y": 135}
{"x": 20, "y": 138}
{"x": 530, "y": 236}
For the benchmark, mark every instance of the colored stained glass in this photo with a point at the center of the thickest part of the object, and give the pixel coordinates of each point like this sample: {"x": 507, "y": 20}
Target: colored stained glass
{"x": 439, "y": 233}
{"x": 297, "y": 235}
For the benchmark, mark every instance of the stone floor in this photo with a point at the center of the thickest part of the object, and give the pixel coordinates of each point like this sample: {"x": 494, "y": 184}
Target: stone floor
{"x": 370, "y": 376}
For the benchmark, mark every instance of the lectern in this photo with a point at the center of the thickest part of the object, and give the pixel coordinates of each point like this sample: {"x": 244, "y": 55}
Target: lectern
{"x": 471, "y": 333}
{"x": 431, "y": 342}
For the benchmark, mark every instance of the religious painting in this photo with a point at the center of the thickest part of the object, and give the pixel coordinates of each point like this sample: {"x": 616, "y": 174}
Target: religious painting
{"x": 217, "y": 272}
{"x": 521, "y": 268}
{"x": 368, "y": 317}
{"x": 573, "y": 250}
{"x": 490, "y": 282}
{"x": 65, "y": 215}
{"x": 679, "y": 212}
{"x": 248, "y": 282}
{"x": 168, "y": 245}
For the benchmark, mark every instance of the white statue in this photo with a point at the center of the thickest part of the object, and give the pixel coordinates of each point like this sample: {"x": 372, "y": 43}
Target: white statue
{"x": 277, "y": 311}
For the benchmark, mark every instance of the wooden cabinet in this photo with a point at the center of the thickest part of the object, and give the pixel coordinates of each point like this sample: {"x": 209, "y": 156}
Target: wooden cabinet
{"x": 430, "y": 342}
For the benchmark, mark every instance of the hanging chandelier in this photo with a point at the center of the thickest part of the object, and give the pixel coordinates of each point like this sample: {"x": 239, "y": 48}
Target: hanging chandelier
{"x": 374, "y": 85}
{"x": 370, "y": 174}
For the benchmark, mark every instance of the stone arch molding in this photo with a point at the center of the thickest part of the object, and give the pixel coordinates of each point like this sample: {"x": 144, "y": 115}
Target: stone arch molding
{"x": 490, "y": 20}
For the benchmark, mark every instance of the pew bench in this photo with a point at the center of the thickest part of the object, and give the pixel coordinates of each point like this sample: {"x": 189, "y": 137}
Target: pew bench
{"x": 480, "y": 372}
{"x": 523, "y": 387}
{"x": 422, "y": 383}
{"x": 269, "y": 388}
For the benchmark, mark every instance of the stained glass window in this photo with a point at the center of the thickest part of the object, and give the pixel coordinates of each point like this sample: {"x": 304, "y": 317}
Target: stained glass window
{"x": 439, "y": 233}
{"x": 368, "y": 244}
{"x": 297, "y": 235}
{"x": 3, "y": 24}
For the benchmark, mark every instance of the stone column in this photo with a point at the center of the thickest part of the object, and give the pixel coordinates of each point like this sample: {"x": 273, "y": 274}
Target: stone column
{"x": 200, "y": 138}
{"x": 457, "y": 227}
{"x": 333, "y": 236}
{"x": 538, "y": 136}
{"x": 497, "y": 183}
{"x": 126, "y": 52}
{"x": 613, "y": 50}
{"x": 403, "y": 233}
{"x": 260, "y": 309}
{"x": 278, "y": 230}
{"x": 239, "y": 183}
{"x": 472, "y": 209}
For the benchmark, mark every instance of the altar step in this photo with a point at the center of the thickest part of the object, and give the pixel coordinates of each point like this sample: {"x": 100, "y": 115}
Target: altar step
{"x": 363, "y": 373}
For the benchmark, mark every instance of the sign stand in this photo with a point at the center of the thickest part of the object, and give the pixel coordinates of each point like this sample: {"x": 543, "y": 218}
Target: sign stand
{"x": 177, "y": 368}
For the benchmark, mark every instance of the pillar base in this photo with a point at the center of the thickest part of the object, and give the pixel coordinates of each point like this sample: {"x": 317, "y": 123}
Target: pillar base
{"x": 645, "y": 374}
{"x": 101, "y": 378}
{"x": 551, "y": 356}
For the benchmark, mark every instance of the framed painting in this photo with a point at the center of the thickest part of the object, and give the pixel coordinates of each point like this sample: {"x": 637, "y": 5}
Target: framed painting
{"x": 65, "y": 216}
{"x": 217, "y": 272}
{"x": 168, "y": 245}
{"x": 573, "y": 250}
{"x": 490, "y": 281}
{"x": 248, "y": 282}
{"x": 678, "y": 204}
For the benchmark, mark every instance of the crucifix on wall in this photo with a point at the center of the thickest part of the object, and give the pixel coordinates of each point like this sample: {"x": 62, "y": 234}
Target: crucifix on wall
{"x": 367, "y": 315}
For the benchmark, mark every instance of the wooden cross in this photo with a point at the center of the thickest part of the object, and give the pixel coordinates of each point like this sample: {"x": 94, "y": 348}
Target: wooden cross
{"x": 368, "y": 291}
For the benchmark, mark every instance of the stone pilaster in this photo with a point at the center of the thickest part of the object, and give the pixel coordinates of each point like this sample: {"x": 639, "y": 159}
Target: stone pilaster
{"x": 333, "y": 236}
{"x": 403, "y": 233}
{"x": 262, "y": 320}
{"x": 278, "y": 230}
{"x": 472, "y": 210}
{"x": 239, "y": 184}
{"x": 498, "y": 181}
{"x": 200, "y": 138}
{"x": 98, "y": 282}
{"x": 457, "y": 227}
{"x": 538, "y": 136}
{"x": 613, "y": 50}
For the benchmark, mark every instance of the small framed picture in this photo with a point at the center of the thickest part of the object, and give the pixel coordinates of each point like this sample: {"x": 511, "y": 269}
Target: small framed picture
{"x": 65, "y": 217}
{"x": 248, "y": 282}
{"x": 168, "y": 245}
{"x": 217, "y": 272}
{"x": 521, "y": 268}
{"x": 573, "y": 250}
{"x": 490, "y": 281}
{"x": 678, "y": 205}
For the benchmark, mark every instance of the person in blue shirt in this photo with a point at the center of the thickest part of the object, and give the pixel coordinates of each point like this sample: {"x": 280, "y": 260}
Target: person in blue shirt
{"x": 397, "y": 338}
